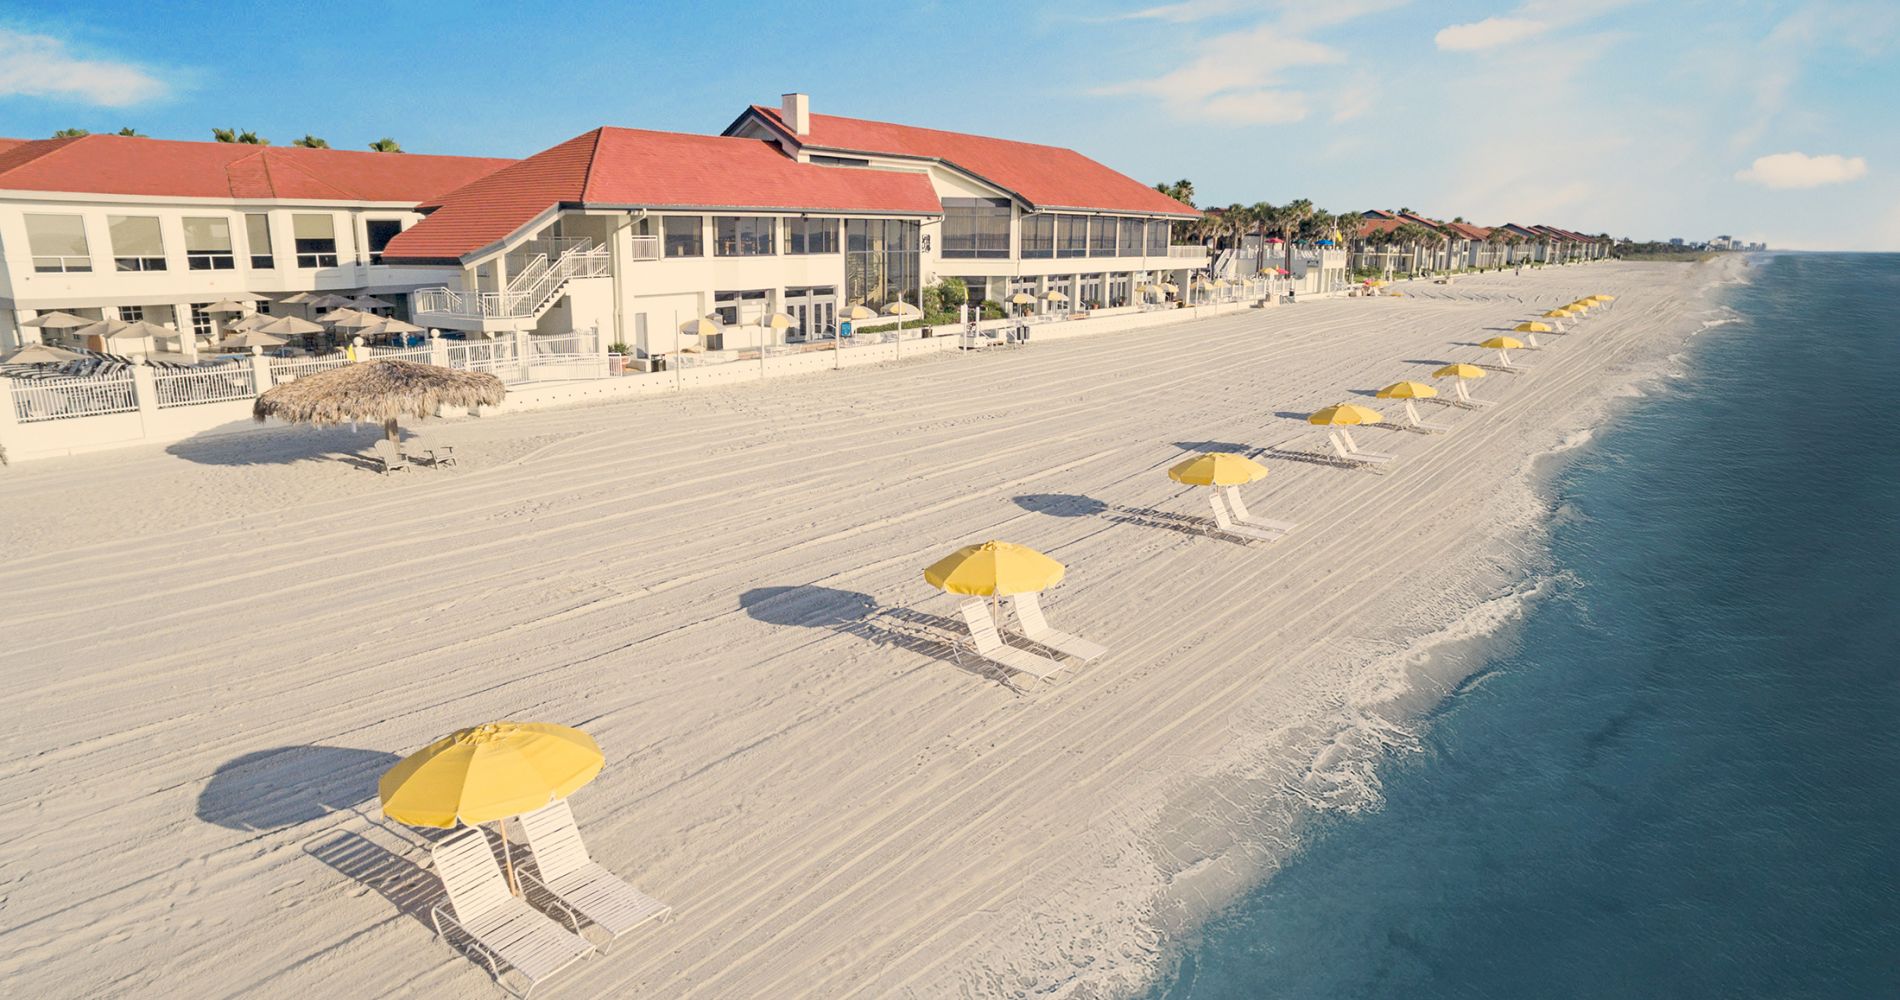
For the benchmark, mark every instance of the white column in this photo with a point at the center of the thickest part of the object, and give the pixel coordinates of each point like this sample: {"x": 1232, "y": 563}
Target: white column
{"x": 188, "y": 337}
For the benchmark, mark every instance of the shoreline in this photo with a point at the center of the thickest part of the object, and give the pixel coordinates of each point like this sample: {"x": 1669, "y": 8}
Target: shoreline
{"x": 833, "y": 810}
{"x": 1409, "y": 686}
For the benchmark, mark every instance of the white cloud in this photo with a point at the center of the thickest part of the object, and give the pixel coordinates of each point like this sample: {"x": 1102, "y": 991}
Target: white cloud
{"x": 1179, "y": 13}
{"x": 1353, "y": 99}
{"x": 1799, "y": 170}
{"x": 1237, "y": 78}
{"x": 40, "y": 66}
{"x": 1488, "y": 33}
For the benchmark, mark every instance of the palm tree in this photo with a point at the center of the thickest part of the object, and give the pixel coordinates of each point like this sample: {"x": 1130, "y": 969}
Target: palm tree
{"x": 385, "y": 145}
{"x": 247, "y": 136}
{"x": 70, "y": 133}
{"x": 132, "y": 133}
{"x": 311, "y": 142}
{"x": 1287, "y": 222}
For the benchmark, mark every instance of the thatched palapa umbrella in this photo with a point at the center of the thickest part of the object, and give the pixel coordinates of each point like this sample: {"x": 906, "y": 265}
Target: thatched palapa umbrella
{"x": 376, "y": 391}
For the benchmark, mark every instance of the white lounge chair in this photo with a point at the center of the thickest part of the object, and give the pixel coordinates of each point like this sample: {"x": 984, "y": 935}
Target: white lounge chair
{"x": 1224, "y": 523}
{"x": 1344, "y": 447}
{"x": 503, "y": 928}
{"x": 1037, "y": 628}
{"x": 1411, "y": 414}
{"x": 563, "y": 867}
{"x": 391, "y": 456}
{"x": 1239, "y": 508}
{"x": 1464, "y": 396}
{"x": 989, "y": 645}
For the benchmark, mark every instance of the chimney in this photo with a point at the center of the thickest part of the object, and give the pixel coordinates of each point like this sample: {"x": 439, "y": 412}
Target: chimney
{"x": 795, "y": 110}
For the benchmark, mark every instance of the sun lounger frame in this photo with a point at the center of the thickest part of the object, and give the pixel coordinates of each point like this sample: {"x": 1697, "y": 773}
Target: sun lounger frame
{"x": 502, "y": 926}
{"x": 1037, "y": 629}
{"x": 564, "y": 868}
{"x": 987, "y": 644}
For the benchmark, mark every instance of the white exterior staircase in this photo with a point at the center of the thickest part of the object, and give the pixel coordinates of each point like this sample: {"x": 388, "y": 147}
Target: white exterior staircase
{"x": 530, "y": 292}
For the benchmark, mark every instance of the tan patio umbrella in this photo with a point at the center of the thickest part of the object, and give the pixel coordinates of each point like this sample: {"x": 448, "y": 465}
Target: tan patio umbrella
{"x": 298, "y": 299}
{"x": 252, "y": 339}
{"x": 377, "y": 392}
{"x": 39, "y": 354}
{"x": 139, "y": 331}
{"x": 902, "y": 309}
{"x": 248, "y": 322}
{"x": 387, "y": 328}
{"x": 58, "y": 321}
{"x": 330, "y": 301}
{"x": 289, "y": 326}
{"x": 371, "y": 302}
{"x": 226, "y": 306}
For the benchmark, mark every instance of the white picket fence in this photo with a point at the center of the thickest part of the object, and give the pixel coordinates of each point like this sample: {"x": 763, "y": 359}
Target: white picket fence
{"x": 65, "y": 398}
{"x": 205, "y": 385}
{"x": 289, "y": 370}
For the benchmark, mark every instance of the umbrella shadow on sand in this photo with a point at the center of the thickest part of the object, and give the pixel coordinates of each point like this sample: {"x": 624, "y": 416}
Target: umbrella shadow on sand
{"x": 241, "y": 445}
{"x": 288, "y": 786}
{"x": 1060, "y": 504}
{"x": 860, "y": 616}
{"x": 1203, "y": 447}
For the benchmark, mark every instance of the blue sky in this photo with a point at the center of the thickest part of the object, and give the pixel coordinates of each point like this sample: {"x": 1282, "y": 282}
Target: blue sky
{"x": 1765, "y": 120}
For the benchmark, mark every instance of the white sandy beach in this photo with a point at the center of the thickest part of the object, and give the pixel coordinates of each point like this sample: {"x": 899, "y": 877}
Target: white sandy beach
{"x": 213, "y": 649}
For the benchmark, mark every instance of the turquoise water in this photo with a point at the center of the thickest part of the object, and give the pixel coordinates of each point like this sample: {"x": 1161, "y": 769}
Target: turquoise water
{"x": 1679, "y": 776}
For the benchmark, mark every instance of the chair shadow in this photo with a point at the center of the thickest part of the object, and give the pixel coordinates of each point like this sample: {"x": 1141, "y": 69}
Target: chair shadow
{"x": 1294, "y": 415}
{"x": 1166, "y": 520}
{"x": 1424, "y": 361}
{"x": 288, "y": 786}
{"x": 406, "y": 884}
{"x": 282, "y": 446}
{"x": 1312, "y": 457}
{"x": 848, "y": 612}
{"x": 1060, "y": 504}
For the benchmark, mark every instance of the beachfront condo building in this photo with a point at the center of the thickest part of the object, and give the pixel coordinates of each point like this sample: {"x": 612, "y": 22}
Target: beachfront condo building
{"x": 623, "y": 232}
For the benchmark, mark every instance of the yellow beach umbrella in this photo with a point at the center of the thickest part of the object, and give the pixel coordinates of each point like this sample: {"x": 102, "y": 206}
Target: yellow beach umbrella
{"x": 1217, "y": 468}
{"x": 487, "y": 773}
{"x": 1054, "y": 296}
{"x": 1532, "y": 328}
{"x": 1169, "y": 286}
{"x": 902, "y": 309}
{"x": 994, "y": 569}
{"x": 1503, "y": 343}
{"x": 1022, "y": 299}
{"x": 1460, "y": 370}
{"x": 1558, "y": 314}
{"x": 860, "y": 313}
{"x": 1346, "y": 415}
{"x": 1407, "y": 390}
{"x": 1604, "y": 298}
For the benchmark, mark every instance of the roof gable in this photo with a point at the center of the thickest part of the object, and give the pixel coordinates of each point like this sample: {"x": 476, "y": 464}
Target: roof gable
{"x": 1044, "y": 176}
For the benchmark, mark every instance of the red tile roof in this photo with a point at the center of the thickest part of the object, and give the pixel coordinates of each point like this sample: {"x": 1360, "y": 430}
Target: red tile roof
{"x": 1468, "y": 231}
{"x": 111, "y": 164}
{"x": 1044, "y": 176}
{"x": 634, "y": 168}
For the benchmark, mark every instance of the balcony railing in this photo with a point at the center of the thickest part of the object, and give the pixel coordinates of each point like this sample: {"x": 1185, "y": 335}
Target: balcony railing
{"x": 527, "y": 293}
{"x": 646, "y": 248}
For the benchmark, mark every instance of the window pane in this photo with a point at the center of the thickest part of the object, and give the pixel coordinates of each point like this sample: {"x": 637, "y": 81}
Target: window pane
{"x": 1132, "y": 232}
{"x": 380, "y": 232}
{"x": 1039, "y": 235}
{"x": 257, "y": 233}
{"x": 135, "y": 236}
{"x": 682, "y": 235}
{"x": 56, "y": 235}
{"x": 313, "y": 227}
{"x": 207, "y": 235}
{"x": 734, "y": 236}
{"x": 1071, "y": 235}
{"x": 1102, "y": 235}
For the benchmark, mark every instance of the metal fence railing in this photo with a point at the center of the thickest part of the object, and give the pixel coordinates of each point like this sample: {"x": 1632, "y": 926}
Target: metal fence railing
{"x": 205, "y": 385}
{"x": 289, "y": 370}
{"x": 65, "y": 398}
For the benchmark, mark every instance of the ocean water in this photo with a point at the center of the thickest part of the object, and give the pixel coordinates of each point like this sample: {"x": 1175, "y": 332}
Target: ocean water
{"x": 1678, "y": 776}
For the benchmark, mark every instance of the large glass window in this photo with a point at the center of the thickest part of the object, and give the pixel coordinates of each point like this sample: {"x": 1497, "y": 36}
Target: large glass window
{"x": 316, "y": 240}
{"x": 58, "y": 243}
{"x": 257, "y": 234}
{"x": 1072, "y": 235}
{"x": 682, "y": 235}
{"x": 1102, "y": 234}
{"x": 881, "y": 262}
{"x": 1039, "y": 235}
{"x": 208, "y": 245}
{"x": 809, "y": 236}
{"x": 1157, "y": 238}
{"x": 743, "y": 236}
{"x": 739, "y": 308}
{"x": 136, "y": 244}
{"x": 380, "y": 232}
{"x": 975, "y": 227}
{"x": 1132, "y": 232}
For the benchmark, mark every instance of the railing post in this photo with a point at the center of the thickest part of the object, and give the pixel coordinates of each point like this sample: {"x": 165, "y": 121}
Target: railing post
{"x": 261, "y": 372}
{"x": 438, "y": 349}
{"x": 145, "y": 392}
{"x": 524, "y": 355}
